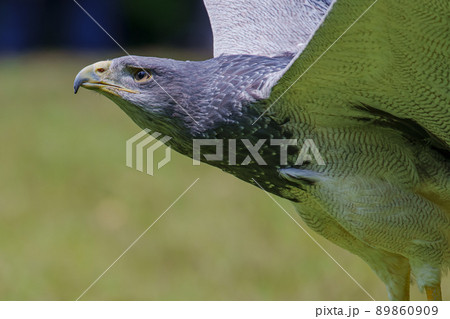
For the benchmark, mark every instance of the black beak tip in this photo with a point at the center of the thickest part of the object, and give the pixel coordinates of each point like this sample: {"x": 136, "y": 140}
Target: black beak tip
{"x": 78, "y": 82}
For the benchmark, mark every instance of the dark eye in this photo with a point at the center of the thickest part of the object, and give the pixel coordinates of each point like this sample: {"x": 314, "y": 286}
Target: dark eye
{"x": 142, "y": 76}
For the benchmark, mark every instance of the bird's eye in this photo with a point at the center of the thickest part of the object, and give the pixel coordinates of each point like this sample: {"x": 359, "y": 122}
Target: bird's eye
{"x": 142, "y": 76}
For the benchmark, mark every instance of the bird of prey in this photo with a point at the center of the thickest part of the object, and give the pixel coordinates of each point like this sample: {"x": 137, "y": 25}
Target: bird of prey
{"x": 366, "y": 81}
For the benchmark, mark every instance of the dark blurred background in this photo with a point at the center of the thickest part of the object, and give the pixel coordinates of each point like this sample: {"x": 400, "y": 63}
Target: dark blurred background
{"x": 46, "y": 24}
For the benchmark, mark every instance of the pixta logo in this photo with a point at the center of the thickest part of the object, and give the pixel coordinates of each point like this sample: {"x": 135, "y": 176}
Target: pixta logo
{"x": 143, "y": 146}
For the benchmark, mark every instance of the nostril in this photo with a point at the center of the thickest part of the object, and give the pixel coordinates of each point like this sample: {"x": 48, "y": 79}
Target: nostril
{"x": 100, "y": 70}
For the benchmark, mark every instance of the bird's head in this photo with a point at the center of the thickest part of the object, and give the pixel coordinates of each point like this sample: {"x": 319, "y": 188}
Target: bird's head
{"x": 150, "y": 90}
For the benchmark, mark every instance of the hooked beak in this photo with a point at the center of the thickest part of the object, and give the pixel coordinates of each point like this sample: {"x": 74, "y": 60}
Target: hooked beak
{"x": 93, "y": 76}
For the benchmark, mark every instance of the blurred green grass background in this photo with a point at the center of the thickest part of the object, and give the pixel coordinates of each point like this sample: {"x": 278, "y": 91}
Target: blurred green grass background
{"x": 69, "y": 207}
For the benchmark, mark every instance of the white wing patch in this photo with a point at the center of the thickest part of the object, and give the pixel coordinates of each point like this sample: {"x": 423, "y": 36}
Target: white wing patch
{"x": 264, "y": 27}
{"x": 301, "y": 175}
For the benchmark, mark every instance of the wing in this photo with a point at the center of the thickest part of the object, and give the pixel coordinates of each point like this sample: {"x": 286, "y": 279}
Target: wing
{"x": 388, "y": 65}
{"x": 264, "y": 27}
